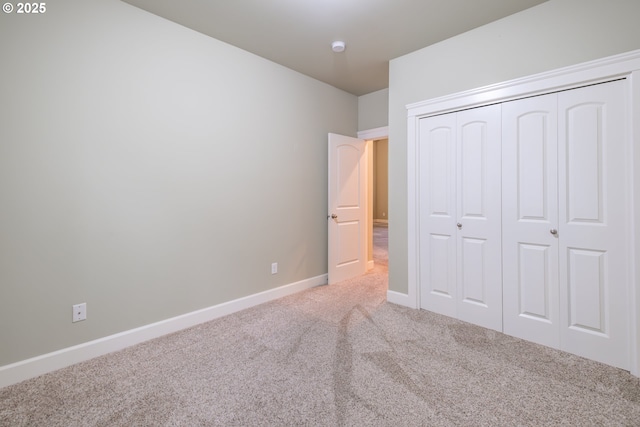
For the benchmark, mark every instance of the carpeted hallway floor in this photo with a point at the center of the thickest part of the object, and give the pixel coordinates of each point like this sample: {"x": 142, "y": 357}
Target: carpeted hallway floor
{"x": 335, "y": 355}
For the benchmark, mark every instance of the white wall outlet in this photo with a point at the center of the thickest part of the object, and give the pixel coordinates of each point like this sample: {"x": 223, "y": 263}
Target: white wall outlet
{"x": 79, "y": 312}
{"x": 274, "y": 267}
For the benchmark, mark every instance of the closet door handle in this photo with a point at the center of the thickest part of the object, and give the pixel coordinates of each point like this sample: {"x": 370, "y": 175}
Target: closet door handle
{"x": 459, "y": 226}
{"x": 553, "y": 231}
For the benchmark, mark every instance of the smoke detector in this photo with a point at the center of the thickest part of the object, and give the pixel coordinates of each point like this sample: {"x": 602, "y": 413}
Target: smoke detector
{"x": 338, "y": 46}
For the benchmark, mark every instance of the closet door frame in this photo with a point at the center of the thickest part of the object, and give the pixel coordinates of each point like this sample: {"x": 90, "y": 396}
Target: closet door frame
{"x": 625, "y": 66}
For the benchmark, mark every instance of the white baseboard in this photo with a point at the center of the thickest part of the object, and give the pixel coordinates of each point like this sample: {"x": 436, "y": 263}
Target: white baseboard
{"x": 29, "y": 368}
{"x": 401, "y": 299}
{"x": 370, "y": 265}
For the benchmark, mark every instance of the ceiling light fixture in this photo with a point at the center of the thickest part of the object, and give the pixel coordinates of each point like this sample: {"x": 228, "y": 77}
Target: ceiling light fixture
{"x": 338, "y": 46}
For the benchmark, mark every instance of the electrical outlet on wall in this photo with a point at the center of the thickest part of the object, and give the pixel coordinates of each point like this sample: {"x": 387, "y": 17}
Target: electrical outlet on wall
{"x": 79, "y": 312}
{"x": 274, "y": 268}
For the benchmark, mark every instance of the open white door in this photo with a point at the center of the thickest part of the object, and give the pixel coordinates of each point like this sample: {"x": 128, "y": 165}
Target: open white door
{"x": 347, "y": 215}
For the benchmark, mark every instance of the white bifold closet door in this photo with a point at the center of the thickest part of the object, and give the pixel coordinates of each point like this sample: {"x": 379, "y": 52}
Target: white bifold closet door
{"x": 460, "y": 209}
{"x": 594, "y": 223}
{"x": 530, "y": 215}
{"x": 565, "y": 222}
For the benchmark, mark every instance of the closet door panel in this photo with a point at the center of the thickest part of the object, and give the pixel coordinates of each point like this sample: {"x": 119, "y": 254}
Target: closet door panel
{"x": 479, "y": 217}
{"x": 441, "y": 271}
{"x": 474, "y": 286}
{"x": 529, "y": 198}
{"x": 437, "y": 178}
{"x": 593, "y": 223}
{"x": 584, "y": 168}
{"x": 588, "y": 291}
{"x": 535, "y": 288}
{"x": 473, "y": 163}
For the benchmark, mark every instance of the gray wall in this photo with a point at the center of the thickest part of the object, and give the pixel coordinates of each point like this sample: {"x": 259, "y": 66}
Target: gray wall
{"x": 552, "y": 35}
{"x": 381, "y": 179}
{"x": 373, "y": 110}
{"x": 149, "y": 171}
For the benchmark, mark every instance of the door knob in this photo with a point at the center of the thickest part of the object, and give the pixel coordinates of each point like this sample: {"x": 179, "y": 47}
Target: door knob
{"x": 334, "y": 216}
{"x": 553, "y": 231}
{"x": 459, "y": 226}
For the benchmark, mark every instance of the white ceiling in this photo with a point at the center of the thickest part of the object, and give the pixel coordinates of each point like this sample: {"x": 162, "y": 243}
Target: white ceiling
{"x": 298, "y": 33}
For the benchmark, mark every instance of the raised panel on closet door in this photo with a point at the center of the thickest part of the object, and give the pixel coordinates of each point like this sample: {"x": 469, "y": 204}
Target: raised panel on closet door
{"x": 530, "y": 219}
{"x": 437, "y": 169}
{"x": 593, "y": 223}
{"x": 479, "y": 212}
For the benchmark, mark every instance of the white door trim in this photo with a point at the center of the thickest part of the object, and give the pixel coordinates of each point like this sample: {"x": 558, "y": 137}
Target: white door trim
{"x": 623, "y": 66}
{"x": 376, "y": 133}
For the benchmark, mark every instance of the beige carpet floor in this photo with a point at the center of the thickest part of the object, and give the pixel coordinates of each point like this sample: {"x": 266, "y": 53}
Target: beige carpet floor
{"x": 335, "y": 355}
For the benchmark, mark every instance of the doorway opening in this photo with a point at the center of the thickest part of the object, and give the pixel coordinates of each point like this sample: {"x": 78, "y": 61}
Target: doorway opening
{"x": 377, "y": 219}
{"x": 353, "y": 181}
{"x": 379, "y": 196}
